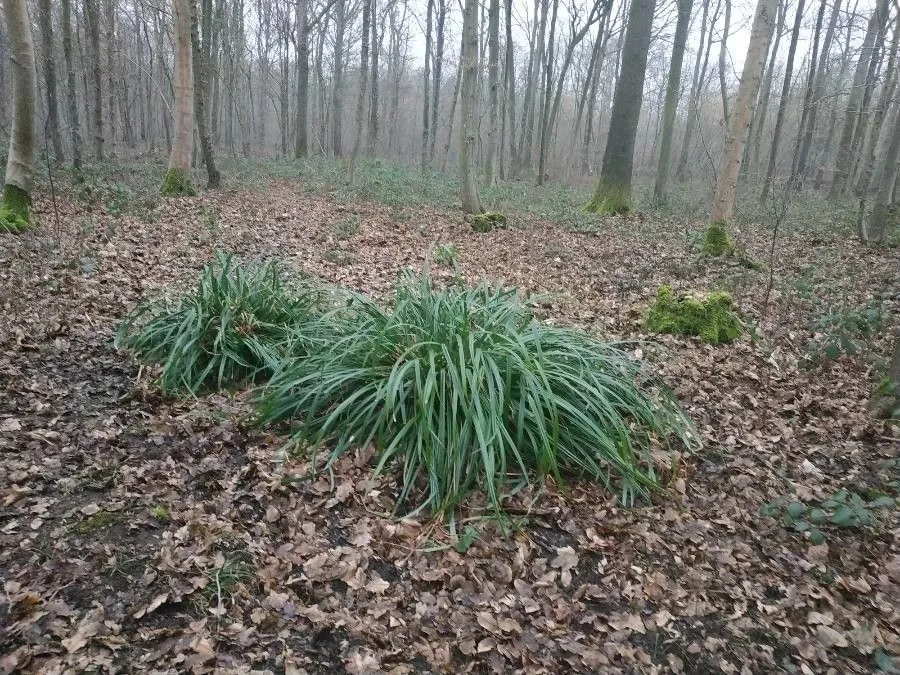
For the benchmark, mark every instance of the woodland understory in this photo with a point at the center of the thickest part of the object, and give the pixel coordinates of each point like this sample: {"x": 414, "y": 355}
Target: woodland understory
{"x": 154, "y": 534}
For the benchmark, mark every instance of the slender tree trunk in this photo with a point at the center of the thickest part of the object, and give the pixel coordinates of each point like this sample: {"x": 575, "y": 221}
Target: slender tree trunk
{"x": 45, "y": 20}
{"x": 471, "y": 201}
{"x": 437, "y": 73}
{"x": 510, "y": 88}
{"x": 699, "y": 78}
{"x": 723, "y": 66}
{"x": 758, "y": 125}
{"x": 71, "y": 91}
{"x": 337, "y": 101}
{"x": 526, "y": 140}
{"x": 178, "y": 175}
{"x": 372, "y": 133}
{"x": 200, "y": 62}
{"x": 301, "y": 108}
{"x": 426, "y": 99}
{"x": 783, "y": 103}
{"x": 544, "y": 126}
{"x": 854, "y": 104}
{"x": 15, "y": 208}
{"x": 92, "y": 14}
{"x": 493, "y": 86}
{"x": 815, "y": 88}
{"x": 876, "y": 229}
{"x": 739, "y": 125}
{"x": 110, "y": 70}
{"x": 363, "y": 83}
{"x": 670, "y": 107}
{"x": 613, "y": 193}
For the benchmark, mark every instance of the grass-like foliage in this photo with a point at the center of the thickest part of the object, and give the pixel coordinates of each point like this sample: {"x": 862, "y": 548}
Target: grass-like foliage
{"x": 711, "y": 318}
{"x": 235, "y": 327}
{"x": 461, "y": 389}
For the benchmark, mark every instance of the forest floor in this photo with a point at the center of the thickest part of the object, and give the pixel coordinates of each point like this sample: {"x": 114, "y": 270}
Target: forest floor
{"x": 142, "y": 533}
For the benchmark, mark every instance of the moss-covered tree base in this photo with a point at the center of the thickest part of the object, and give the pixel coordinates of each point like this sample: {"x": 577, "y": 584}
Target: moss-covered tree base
{"x": 716, "y": 241}
{"x": 15, "y": 210}
{"x": 487, "y": 221}
{"x": 176, "y": 183}
{"x": 711, "y": 318}
{"x": 610, "y": 199}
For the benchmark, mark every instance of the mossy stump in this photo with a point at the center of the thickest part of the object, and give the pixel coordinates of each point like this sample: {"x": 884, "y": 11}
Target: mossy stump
{"x": 15, "y": 209}
{"x": 177, "y": 183}
{"x": 716, "y": 241}
{"x": 488, "y": 221}
{"x": 610, "y": 200}
{"x": 711, "y": 317}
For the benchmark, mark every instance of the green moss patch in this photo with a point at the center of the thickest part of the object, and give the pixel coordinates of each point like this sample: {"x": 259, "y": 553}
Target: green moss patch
{"x": 176, "y": 183}
{"x": 716, "y": 241}
{"x": 711, "y": 318}
{"x": 487, "y": 221}
{"x": 610, "y": 199}
{"x": 15, "y": 209}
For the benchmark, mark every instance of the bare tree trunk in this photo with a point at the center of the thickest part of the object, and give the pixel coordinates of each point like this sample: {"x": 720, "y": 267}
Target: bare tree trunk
{"x": 758, "y": 125}
{"x": 15, "y": 208}
{"x": 783, "y": 103}
{"x": 363, "y": 83}
{"x": 301, "y": 108}
{"x": 613, "y": 193}
{"x": 110, "y": 8}
{"x": 876, "y": 229}
{"x": 510, "y": 87}
{"x": 697, "y": 85}
{"x": 471, "y": 201}
{"x": 854, "y": 104}
{"x": 670, "y": 107}
{"x": 535, "y": 60}
{"x": 372, "y": 133}
{"x": 426, "y": 99}
{"x": 71, "y": 91}
{"x": 177, "y": 180}
{"x": 92, "y": 15}
{"x": 200, "y": 61}
{"x": 493, "y": 85}
{"x": 337, "y": 100}
{"x": 723, "y": 49}
{"x": 739, "y": 126}
{"x": 544, "y": 119}
{"x": 437, "y": 74}
{"x": 815, "y": 88}
{"x": 45, "y": 20}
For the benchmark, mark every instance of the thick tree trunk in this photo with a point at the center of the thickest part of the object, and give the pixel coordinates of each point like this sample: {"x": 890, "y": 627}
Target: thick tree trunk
{"x": 15, "y": 211}
{"x": 177, "y": 180}
{"x": 493, "y": 86}
{"x": 200, "y": 63}
{"x": 45, "y": 20}
{"x": 670, "y": 107}
{"x": 372, "y": 132}
{"x": 613, "y": 193}
{"x": 783, "y": 103}
{"x": 471, "y": 201}
{"x": 92, "y": 15}
{"x": 301, "y": 108}
{"x": 71, "y": 91}
{"x": 739, "y": 125}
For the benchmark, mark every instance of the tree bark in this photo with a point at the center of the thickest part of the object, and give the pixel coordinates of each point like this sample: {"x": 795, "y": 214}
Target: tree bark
{"x": 739, "y": 125}
{"x": 471, "y": 201}
{"x": 700, "y": 66}
{"x": 372, "y": 133}
{"x": 200, "y": 62}
{"x": 15, "y": 213}
{"x": 71, "y": 91}
{"x": 45, "y": 20}
{"x": 426, "y": 99}
{"x": 673, "y": 91}
{"x": 875, "y": 230}
{"x": 613, "y": 193}
{"x": 783, "y": 103}
{"x": 363, "y": 82}
{"x": 723, "y": 49}
{"x": 493, "y": 86}
{"x": 177, "y": 180}
{"x": 92, "y": 15}
{"x": 854, "y": 104}
{"x": 337, "y": 100}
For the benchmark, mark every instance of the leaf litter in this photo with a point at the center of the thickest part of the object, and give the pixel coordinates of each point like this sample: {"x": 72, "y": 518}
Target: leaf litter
{"x": 258, "y": 568}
